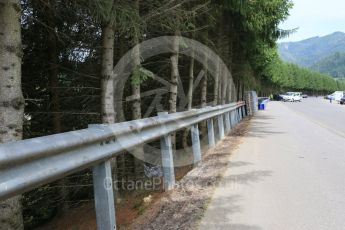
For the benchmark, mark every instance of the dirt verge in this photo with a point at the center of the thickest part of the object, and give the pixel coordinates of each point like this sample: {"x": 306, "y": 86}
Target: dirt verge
{"x": 183, "y": 207}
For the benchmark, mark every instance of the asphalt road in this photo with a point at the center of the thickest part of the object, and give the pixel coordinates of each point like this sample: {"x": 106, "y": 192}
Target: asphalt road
{"x": 322, "y": 112}
{"x": 288, "y": 174}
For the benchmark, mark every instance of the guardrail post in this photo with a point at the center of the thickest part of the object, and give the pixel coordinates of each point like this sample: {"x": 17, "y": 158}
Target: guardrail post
{"x": 167, "y": 160}
{"x": 232, "y": 118}
{"x": 221, "y": 126}
{"x": 227, "y": 123}
{"x": 196, "y": 143}
{"x": 236, "y": 116}
{"x": 239, "y": 114}
{"x": 104, "y": 194}
{"x": 210, "y": 133}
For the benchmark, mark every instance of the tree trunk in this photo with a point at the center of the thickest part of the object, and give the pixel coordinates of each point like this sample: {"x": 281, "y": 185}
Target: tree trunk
{"x": 203, "y": 125}
{"x": 240, "y": 91}
{"x": 204, "y": 91}
{"x": 189, "y": 98}
{"x": 191, "y": 81}
{"x": 11, "y": 98}
{"x": 219, "y": 90}
{"x": 54, "y": 90}
{"x": 203, "y": 128}
{"x": 120, "y": 116}
{"x": 216, "y": 85}
{"x": 228, "y": 93}
{"x": 224, "y": 87}
{"x": 204, "y": 82}
{"x": 226, "y": 97}
{"x": 107, "y": 86}
{"x": 233, "y": 92}
{"x": 174, "y": 62}
{"x": 136, "y": 106}
{"x": 221, "y": 47}
{"x": 174, "y": 58}
{"x": 238, "y": 87}
{"x": 107, "y": 75}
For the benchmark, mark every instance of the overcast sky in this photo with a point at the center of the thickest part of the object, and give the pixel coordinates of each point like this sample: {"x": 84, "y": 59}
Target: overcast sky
{"x": 315, "y": 18}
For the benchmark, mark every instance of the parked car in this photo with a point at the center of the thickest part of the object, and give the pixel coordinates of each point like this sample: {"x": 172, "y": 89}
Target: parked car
{"x": 277, "y": 97}
{"x": 342, "y": 101}
{"x": 336, "y": 96}
{"x": 292, "y": 96}
{"x": 304, "y": 96}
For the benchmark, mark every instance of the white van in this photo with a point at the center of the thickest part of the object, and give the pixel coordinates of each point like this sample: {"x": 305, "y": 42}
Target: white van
{"x": 337, "y": 95}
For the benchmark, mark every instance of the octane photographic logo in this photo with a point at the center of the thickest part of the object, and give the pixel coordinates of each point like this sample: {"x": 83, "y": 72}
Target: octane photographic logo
{"x": 157, "y": 46}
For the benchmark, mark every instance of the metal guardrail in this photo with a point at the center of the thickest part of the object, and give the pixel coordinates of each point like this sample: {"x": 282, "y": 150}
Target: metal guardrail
{"x": 28, "y": 164}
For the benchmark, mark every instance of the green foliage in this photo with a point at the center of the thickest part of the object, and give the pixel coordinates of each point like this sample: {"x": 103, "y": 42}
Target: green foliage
{"x": 256, "y": 25}
{"x": 291, "y": 76}
{"x": 333, "y": 65}
{"x": 140, "y": 75}
{"x": 255, "y": 29}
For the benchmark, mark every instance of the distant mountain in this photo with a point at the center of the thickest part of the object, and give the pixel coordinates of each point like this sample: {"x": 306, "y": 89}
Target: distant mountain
{"x": 313, "y": 50}
{"x": 333, "y": 65}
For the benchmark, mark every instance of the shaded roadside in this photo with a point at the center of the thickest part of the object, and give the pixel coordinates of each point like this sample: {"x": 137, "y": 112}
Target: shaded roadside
{"x": 183, "y": 207}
